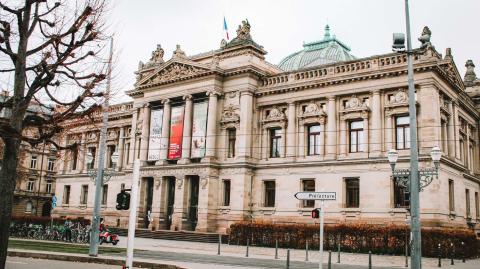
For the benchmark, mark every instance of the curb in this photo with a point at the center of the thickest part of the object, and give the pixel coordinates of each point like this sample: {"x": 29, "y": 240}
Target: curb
{"x": 88, "y": 259}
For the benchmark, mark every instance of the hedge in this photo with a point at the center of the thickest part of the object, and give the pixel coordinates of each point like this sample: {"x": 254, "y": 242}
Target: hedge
{"x": 46, "y": 220}
{"x": 357, "y": 238}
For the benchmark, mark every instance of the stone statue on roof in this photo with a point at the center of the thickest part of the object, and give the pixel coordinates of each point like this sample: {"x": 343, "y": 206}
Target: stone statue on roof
{"x": 425, "y": 37}
{"x": 243, "y": 31}
{"x": 157, "y": 55}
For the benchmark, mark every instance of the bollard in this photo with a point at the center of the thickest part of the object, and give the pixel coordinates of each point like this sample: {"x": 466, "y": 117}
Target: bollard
{"x": 219, "y": 243}
{"x": 248, "y": 243}
{"x": 463, "y": 252}
{"x": 338, "y": 251}
{"x": 276, "y": 249}
{"x": 452, "y": 253}
{"x": 238, "y": 241}
{"x": 369, "y": 260}
{"x": 406, "y": 249}
{"x": 329, "y": 259}
{"x": 288, "y": 258}
{"x": 439, "y": 255}
{"x": 306, "y": 251}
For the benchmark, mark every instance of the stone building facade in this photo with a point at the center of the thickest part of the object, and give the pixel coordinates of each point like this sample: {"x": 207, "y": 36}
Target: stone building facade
{"x": 225, "y": 136}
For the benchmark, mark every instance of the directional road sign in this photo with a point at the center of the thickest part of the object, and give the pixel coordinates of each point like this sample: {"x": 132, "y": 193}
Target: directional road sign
{"x": 310, "y": 195}
{"x": 54, "y": 202}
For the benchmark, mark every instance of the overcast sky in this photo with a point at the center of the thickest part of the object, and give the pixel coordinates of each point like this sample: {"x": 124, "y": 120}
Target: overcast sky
{"x": 281, "y": 26}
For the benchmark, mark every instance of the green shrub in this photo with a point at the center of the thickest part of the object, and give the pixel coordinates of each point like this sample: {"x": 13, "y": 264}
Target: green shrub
{"x": 358, "y": 237}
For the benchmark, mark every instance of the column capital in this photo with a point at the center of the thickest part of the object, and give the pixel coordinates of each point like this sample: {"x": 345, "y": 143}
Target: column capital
{"x": 291, "y": 103}
{"x": 331, "y": 97}
{"x": 147, "y": 104}
{"x": 166, "y": 101}
{"x": 187, "y": 97}
{"x": 214, "y": 91}
{"x": 376, "y": 91}
{"x": 246, "y": 91}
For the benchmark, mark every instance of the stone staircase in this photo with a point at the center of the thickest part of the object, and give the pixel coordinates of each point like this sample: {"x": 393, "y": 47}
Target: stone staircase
{"x": 173, "y": 235}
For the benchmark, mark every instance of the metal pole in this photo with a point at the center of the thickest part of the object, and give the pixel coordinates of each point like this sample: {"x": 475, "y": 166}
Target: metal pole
{"x": 439, "y": 256}
{"x": 248, "y": 243}
{"x": 219, "y": 243}
{"x": 133, "y": 213}
{"x": 322, "y": 213}
{"x": 406, "y": 248}
{"x": 338, "y": 250}
{"x": 306, "y": 251}
{"x": 93, "y": 251}
{"x": 276, "y": 248}
{"x": 369, "y": 260}
{"x": 288, "y": 258}
{"x": 463, "y": 252}
{"x": 416, "y": 251}
{"x": 329, "y": 259}
{"x": 452, "y": 254}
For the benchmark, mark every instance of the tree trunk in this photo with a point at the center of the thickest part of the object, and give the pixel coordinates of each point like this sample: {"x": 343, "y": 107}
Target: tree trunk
{"x": 7, "y": 187}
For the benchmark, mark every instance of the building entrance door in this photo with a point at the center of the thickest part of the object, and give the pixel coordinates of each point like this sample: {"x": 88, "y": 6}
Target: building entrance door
{"x": 148, "y": 201}
{"x": 193, "y": 202}
{"x": 170, "y": 200}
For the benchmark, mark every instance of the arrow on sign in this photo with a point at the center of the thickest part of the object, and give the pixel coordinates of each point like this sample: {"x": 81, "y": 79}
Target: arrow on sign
{"x": 316, "y": 195}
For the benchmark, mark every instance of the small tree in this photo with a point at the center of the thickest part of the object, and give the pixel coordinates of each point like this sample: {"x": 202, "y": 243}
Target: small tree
{"x": 52, "y": 51}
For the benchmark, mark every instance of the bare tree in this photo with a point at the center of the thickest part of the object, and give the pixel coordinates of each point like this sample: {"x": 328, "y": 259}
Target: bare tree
{"x": 54, "y": 51}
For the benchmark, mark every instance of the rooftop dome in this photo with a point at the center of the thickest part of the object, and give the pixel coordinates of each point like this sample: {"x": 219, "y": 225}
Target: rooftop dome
{"x": 325, "y": 51}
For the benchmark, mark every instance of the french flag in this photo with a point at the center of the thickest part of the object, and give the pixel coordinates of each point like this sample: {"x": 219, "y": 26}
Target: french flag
{"x": 225, "y": 27}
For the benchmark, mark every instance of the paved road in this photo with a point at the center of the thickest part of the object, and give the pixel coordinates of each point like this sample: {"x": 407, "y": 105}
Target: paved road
{"x": 29, "y": 263}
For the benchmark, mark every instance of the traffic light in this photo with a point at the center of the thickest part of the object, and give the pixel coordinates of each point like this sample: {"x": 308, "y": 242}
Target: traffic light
{"x": 315, "y": 214}
{"x": 123, "y": 200}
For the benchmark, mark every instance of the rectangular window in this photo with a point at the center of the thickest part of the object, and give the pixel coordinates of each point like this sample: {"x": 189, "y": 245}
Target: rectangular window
{"x": 467, "y": 202}
{"x": 477, "y": 206}
{"x": 48, "y": 186}
{"x": 33, "y": 162}
{"x": 92, "y": 151}
{"x": 66, "y": 194}
{"x": 232, "y": 136}
{"x": 356, "y": 136}
{"x": 308, "y": 185}
{"x": 314, "y": 140}
{"x": 84, "y": 195}
{"x": 51, "y": 164}
{"x": 400, "y": 196}
{"x": 269, "y": 187}
{"x": 110, "y": 150}
{"x": 104, "y": 194}
{"x": 352, "y": 186}
{"x": 402, "y": 133}
{"x": 462, "y": 149}
{"x": 31, "y": 185}
{"x": 226, "y": 192}
{"x": 451, "y": 195}
{"x": 275, "y": 142}
{"x": 74, "y": 159}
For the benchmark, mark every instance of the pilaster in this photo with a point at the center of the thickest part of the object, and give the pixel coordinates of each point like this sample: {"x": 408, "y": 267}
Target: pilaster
{"x": 331, "y": 128}
{"x": 187, "y": 130}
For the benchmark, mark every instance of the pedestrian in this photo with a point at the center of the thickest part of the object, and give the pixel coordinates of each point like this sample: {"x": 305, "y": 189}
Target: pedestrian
{"x": 68, "y": 230}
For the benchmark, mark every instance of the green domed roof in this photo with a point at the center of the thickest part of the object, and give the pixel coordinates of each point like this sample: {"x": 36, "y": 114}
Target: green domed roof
{"x": 328, "y": 50}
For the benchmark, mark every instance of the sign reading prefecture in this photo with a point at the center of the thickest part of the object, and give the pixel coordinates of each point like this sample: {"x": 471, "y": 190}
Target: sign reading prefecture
{"x": 316, "y": 195}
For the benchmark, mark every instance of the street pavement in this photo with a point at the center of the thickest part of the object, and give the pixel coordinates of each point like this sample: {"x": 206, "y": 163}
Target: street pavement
{"x": 29, "y": 263}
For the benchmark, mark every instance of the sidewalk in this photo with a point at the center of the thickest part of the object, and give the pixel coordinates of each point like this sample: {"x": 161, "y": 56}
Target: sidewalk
{"x": 295, "y": 255}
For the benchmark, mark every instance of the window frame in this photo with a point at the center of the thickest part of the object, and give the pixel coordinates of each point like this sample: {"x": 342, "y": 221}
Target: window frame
{"x": 49, "y": 186}
{"x": 84, "y": 194}
{"x": 31, "y": 185}
{"x": 33, "y": 162}
{"x": 231, "y": 142}
{"x": 400, "y": 195}
{"x": 468, "y": 211}
{"x": 352, "y": 202}
{"x": 405, "y": 133}
{"x": 308, "y": 203}
{"x": 66, "y": 190}
{"x": 359, "y": 133}
{"x": 277, "y": 140}
{"x": 269, "y": 191}
{"x": 50, "y": 164}
{"x": 93, "y": 151}
{"x": 227, "y": 189}
{"x": 315, "y": 137}
{"x": 451, "y": 195}
{"x": 104, "y": 194}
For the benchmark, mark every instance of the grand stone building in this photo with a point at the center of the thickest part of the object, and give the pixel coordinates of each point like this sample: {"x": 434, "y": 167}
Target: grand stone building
{"x": 226, "y": 136}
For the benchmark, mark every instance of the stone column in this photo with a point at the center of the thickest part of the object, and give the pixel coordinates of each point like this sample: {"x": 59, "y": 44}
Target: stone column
{"x": 365, "y": 134}
{"x": 468, "y": 158}
{"x": 322, "y": 138}
{"x": 291, "y": 134}
{"x": 445, "y": 138}
{"x": 389, "y": 133}
{"x": 343, "y": 137}
{"x": 428, "y": 118}
{"x": 81, "y": 153}
{"x": 301, "y": 141}
{"x": 180, "y": 204}
{"x": 156, "y": 198}
{"x": 165, "y": 130}
{"x": 133, "y": 137}
{"x": 121, "y": 146}
{"x": 376, "y": 131}
{"x": 265, "y": 143}
{"x": 456, "y": 125}
{"x": 211, "y": 125}
{"x": 451, "y": 131}
{"x": 331, "y": 129}
{"x": 145, "y": 133}
{"x": 245, "y": 133}
{"x": 187, "y": 130}
{"x": 207, "y": 204}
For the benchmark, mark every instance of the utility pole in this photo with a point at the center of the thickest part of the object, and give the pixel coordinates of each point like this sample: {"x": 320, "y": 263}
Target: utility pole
{"x": 132, "y": 220}
{"x": 93, "y": 251}
{"x": 416, "y": 251}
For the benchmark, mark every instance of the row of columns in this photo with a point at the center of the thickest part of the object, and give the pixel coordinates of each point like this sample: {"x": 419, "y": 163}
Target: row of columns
{"x": 144, "y": 113}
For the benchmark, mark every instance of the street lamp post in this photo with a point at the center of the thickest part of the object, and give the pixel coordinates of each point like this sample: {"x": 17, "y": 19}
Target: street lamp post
{"x": 415, "y": 180}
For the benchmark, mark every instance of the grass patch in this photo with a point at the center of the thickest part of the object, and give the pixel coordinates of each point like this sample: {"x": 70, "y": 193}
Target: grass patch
{"x": 60, "y": 247}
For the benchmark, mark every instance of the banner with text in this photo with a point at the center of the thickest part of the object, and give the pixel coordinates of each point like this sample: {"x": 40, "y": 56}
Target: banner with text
{"x": 156, "y": 117}
{"x": 199, "y": 129}
{"x": 176, "y": 133}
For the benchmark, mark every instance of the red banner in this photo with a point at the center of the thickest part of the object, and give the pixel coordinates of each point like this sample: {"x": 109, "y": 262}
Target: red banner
{"x": 176, "y": 133}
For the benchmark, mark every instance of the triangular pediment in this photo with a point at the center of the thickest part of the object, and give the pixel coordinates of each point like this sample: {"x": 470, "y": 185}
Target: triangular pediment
{"x": 452, "y": 73}
{"x": 174, "y": 69}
